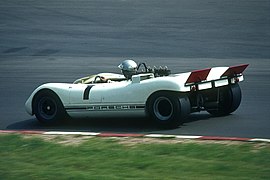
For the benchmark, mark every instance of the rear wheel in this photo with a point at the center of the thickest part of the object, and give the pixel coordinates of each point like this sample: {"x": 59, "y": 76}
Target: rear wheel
{"x": 168, "y": 110}
{"x": 48, "y": 108}
{"x": 229, "y": 99}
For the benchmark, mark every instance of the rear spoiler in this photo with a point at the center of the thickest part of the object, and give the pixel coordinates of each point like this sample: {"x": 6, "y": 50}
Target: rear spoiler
{"x": 198, "y": 76}
{"x": 201, "y": 75}
{"x": 234, "y": 70}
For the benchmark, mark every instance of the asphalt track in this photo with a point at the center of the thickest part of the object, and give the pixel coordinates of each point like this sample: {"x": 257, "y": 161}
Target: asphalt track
{"x": 62, "y": 40}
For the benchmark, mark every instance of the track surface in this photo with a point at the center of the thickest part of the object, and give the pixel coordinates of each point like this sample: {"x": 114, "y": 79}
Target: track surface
{"x": 62, "y": 40}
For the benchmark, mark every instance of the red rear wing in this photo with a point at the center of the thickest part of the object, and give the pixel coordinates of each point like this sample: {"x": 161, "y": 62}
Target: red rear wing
{"x": 201, "y": 75}
{"x": 235, "y": 70}
{"x": 198, "y": 76}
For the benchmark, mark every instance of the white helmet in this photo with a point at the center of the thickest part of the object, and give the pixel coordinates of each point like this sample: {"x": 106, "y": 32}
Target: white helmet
{"x": 128, "y": 68}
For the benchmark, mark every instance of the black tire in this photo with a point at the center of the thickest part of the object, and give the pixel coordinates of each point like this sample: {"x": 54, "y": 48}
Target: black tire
{"x": 229, "y": 100}
{"x": 167, "y": 109}
{"x": 48, "y": 108}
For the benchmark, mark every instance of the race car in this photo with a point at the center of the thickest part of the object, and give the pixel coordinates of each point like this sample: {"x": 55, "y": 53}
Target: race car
{"x": 140, "y": 91}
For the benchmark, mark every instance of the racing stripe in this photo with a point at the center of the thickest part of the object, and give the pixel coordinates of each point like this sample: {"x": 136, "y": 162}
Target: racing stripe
{"x": 86, "y": 92}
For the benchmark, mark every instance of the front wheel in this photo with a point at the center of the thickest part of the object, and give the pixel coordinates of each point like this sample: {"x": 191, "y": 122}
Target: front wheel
{"x": 168, "y": 110}
{"x": 229, "y": 99}
{"x": 48, "y": 108}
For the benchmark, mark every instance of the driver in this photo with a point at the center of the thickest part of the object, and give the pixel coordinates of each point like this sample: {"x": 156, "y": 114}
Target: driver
{"x": 128, "y": 68}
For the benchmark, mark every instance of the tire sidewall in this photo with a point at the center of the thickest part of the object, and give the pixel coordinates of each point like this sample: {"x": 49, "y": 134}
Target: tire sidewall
{"x": 55, "y": 112}
{"x": 168, "y": 118}
{"x": 230, "y": 99}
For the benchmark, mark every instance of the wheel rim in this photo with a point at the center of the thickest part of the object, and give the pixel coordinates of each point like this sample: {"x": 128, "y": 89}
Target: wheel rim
{"x": 163, "y": 108}
{"x": 47, "y": 108}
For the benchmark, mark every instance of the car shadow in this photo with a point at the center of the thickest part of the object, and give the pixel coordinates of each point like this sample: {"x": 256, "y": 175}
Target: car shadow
{"x": 116, "y": 125}
{"x": 124, "y": 125}
{"x": 198, "y": 117}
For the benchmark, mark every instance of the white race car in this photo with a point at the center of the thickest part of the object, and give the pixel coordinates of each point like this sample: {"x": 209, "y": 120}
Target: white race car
{"x": 166, "y": 98}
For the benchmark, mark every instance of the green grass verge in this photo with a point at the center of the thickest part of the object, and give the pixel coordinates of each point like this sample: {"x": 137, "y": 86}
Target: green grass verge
{"x": 99, "y": 158}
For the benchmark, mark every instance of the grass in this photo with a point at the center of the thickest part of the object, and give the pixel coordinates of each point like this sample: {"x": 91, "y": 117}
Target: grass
{"x": 99, "y": 158}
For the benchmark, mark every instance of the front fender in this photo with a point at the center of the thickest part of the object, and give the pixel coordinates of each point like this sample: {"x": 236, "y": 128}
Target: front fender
{"x": 60, "y": 89}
